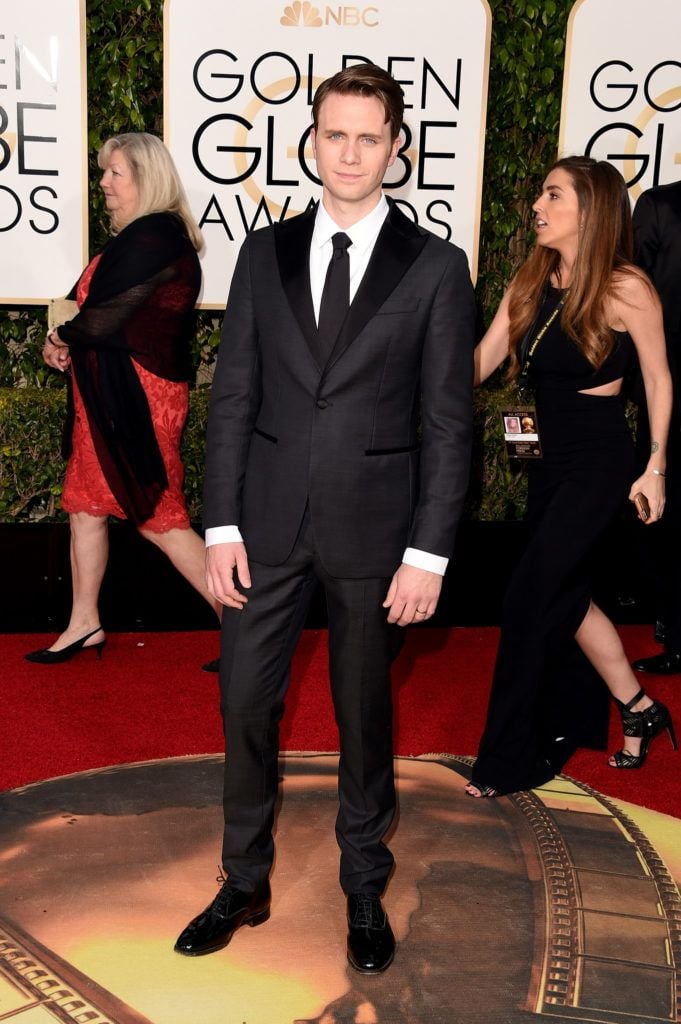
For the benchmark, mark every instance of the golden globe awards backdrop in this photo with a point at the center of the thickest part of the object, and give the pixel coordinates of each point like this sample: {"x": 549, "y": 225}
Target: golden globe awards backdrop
{"x": 43, "y": 148}
{"x": 622, "y": 88}
{"x": 239, "y": 84}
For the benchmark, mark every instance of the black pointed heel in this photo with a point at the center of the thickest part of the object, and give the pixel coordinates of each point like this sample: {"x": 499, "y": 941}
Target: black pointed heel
{"x": 45, "y": 657}
{"x": 484, "y": 791}
{"x": 645, "y": 724}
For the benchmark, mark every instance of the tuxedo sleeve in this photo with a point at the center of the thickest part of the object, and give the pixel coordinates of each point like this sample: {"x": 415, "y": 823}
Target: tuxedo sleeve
{"x": 446, "y": 410}
{"x": 646, "y": 233}
{"x": 235, "y": 399}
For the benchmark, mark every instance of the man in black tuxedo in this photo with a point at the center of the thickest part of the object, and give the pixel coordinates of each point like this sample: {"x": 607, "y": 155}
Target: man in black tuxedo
{"x": 657, "y": 233}
{"x": 345, "y": 328}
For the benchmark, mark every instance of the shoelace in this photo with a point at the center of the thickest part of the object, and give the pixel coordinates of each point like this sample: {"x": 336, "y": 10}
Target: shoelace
{"x": 367, "y": 912}
{"x": 222, "y": 900}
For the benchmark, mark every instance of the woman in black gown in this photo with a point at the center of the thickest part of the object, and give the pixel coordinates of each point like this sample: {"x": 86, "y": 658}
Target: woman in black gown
{"x": 572, "y": 320}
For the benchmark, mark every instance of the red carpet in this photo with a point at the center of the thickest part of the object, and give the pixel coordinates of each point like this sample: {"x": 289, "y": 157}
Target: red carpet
{"x": 149, "y": 699}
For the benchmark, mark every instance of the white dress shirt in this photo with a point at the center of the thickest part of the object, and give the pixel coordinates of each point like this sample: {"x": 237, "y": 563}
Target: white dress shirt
{"x": 363, "y": 234}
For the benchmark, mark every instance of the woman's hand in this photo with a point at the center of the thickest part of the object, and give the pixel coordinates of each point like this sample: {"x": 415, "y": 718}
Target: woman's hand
{"x": 652, "y": 485}
{"x": 56, "y": 353}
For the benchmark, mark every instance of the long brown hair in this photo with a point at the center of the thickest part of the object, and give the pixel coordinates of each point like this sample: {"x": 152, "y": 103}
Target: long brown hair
{"x": 605, "y": 246}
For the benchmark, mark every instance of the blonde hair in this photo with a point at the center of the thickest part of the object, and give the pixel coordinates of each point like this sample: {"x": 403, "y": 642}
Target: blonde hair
{"x": 605, "y": 251}
{"x": 155, "y": 175}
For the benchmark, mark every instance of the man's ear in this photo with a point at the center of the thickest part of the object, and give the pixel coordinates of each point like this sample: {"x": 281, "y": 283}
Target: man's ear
{"x": 397, "y": 142}
{"x": 313, "y": 142}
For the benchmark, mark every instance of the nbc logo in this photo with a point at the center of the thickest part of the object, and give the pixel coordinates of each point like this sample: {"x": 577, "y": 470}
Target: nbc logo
{"x": 306, "y": 15}
{"x": 301, "y": 14}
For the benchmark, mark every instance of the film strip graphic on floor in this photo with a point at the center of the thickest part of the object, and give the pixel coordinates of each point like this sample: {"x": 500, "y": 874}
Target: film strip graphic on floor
{"x": 38, "y": 987}
{"x": 610, "y": 951}
{"x": 612, "y": 945}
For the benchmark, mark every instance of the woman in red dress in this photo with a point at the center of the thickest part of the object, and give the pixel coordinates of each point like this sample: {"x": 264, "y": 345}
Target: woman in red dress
{"x": 127, "y": 356}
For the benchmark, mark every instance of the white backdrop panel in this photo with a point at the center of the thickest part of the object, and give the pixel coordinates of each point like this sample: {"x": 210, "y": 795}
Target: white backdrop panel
{"x": 622, "y": 88}
{"x": 239, "y": 81}
{"x": 43, "y": 148}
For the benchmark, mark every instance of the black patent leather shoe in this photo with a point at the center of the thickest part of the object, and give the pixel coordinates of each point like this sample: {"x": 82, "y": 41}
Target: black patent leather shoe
{"x": 666, "y": 664}
{"x": 212, "y": 666}
{"x": 371, "y": 943}
{"x": 215, "y": 926}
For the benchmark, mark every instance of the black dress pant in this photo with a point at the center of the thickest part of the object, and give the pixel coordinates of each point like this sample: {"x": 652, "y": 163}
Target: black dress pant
{"x": 660, "y": 543}
{"x": 257, "y": 646}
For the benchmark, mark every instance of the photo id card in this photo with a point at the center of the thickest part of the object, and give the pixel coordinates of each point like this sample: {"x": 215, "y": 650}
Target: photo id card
{"x": 521, "y": 433}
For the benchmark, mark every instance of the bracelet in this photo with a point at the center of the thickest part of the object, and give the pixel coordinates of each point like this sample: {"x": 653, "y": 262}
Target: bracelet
{"x": 657, "y": 472}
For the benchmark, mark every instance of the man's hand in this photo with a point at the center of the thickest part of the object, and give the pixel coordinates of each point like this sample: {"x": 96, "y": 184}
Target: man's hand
{"x": 412, "y": 595}
{"x": 221, "y": 561}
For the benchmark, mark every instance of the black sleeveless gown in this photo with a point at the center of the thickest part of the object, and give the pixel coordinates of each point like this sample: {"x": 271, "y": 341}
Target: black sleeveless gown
{"x": 546, "y": 698}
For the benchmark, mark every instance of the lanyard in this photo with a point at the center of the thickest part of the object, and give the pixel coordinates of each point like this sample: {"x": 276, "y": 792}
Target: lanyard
{"x": 524, "y": 373}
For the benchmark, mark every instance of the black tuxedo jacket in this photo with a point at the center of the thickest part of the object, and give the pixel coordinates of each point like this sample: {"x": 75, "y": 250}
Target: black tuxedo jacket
{"x": 377, "y": 441}
{"x": 657, "y": 233}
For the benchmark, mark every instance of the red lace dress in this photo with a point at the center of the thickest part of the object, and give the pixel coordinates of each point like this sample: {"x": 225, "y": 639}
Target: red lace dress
{"x": 85, "y": 488}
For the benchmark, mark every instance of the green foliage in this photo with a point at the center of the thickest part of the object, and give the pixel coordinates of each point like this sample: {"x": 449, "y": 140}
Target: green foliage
{"x": 193, "y": 451}
{"x": 526, "y": 69}
{"x": 31, "y": 469}
{"x": 22, "y": 334}
{"x": 125, "y": 83}
{"x": 31, "y": 464}
{"x": 125, "y": 93}
{"x": 498, "y": 487}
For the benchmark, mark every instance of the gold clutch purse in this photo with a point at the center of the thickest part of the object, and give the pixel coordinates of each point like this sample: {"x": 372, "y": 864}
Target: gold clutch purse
{"x": 59, "y": 311}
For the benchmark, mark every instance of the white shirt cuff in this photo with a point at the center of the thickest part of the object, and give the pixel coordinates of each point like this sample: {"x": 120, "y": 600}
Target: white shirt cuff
{"x": 222, "y": 535}
{"x": 424, "y": 560}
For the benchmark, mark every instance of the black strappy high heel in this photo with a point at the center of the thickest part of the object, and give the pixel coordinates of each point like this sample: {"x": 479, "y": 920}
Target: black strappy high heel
{"x": 484, "y": 790}
{"x": 46, "y": 657}
{"x": 645, "y": 724}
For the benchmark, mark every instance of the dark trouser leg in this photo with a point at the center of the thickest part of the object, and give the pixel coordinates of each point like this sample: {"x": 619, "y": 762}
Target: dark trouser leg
{"x": 361, "y": 648}
{"x": 671, "y": 531}
{"x": 660, "y": 544}
{"x": 257, "y": 646}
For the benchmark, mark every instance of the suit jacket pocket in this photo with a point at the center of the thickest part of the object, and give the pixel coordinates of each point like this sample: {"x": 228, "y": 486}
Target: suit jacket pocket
{"x": 393, "y": 451}
{"x": 267, "y": 437}
{"x": 399, "y": 304}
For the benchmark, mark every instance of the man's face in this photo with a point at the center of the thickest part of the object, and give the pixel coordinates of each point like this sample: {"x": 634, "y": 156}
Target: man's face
{"x": 353, "y": 150}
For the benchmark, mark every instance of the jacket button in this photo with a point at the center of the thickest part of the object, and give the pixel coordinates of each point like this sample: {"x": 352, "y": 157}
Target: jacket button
{"x": 322, "y": 403}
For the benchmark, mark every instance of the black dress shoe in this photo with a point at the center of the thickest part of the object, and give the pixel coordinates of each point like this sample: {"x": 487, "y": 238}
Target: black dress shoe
{"x": 215, "y": 926}
{"x": 666, "y": 664}
{"x": 371, "y": 943}
{"x": 211, "y": 666}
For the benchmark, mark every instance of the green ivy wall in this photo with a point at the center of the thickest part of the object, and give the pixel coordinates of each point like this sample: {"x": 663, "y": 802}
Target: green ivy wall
{"x": 125, "y": 92}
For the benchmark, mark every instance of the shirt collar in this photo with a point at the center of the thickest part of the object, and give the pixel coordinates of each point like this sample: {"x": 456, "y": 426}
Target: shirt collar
{"x": 363, "y": 233}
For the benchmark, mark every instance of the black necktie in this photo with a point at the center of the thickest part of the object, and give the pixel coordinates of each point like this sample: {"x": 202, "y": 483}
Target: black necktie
{"x": 335, "y": 297}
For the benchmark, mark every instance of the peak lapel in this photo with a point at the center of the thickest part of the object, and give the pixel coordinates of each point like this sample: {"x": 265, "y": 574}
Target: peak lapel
{"x": 292, "y": 240}
{"x": 399, "y": 243}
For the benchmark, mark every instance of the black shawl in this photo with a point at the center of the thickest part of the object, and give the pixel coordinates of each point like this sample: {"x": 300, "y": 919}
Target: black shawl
{"x": 140, "y": 304}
